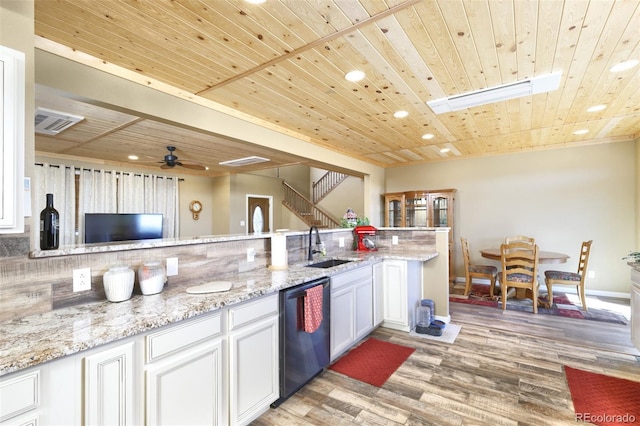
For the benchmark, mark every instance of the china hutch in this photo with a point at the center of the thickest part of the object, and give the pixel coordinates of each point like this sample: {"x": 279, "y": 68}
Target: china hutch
{"x": 424, "y": 208}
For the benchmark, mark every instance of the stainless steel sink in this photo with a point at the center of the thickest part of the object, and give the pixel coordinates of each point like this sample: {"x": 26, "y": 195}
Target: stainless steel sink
{"x": 328, "y": 263}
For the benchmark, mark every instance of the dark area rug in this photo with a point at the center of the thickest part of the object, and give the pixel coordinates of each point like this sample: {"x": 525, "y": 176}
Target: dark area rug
{"x": 603, "y": 400}
{"x": 562, "y": 306}
{"x": 373, "y": 361}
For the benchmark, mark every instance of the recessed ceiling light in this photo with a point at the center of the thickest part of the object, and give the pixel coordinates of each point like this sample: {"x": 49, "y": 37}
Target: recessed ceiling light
{"x": 596, "y": 108}
{"x": 445, "y": 150}
{"x": 355, "y": 75}
{"x": 581, "y": 132}
{"x": 255, "y": 1}
{"x": 623, "y": 66}
{"x": 133, "y": 157}
{"x": 427, "y": 136}
{"x": 400, "y": 114}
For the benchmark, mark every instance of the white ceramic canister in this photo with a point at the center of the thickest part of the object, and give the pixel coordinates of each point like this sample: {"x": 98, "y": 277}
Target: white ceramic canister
{"x": 118, "y": 283}
{"x": 151, "y": 277}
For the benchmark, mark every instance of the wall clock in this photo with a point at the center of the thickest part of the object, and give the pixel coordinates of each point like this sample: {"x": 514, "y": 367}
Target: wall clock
{"x": 196, "y": 208}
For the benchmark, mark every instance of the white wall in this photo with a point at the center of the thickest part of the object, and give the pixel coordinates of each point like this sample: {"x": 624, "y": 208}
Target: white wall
{"x": 561, "y": 197}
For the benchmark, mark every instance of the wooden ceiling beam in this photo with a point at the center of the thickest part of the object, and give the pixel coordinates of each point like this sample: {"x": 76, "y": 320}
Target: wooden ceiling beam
{"x": 313, "y": 44}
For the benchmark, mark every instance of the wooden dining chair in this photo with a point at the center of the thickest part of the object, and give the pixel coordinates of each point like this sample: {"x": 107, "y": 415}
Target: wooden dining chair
{"x": 472, "y": 271}
{"x": 552, "y": 278}
{"x": 519, "y": 270}
{"x": 519, "y": 238}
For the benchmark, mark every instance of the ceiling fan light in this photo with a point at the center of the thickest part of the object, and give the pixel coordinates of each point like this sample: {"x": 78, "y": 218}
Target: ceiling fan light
{"x": 518, "y": 89}
{"x": 355, "y": 75}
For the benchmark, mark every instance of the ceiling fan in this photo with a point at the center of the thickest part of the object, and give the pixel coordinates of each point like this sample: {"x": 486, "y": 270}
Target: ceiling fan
{"x": 171, "y": 160}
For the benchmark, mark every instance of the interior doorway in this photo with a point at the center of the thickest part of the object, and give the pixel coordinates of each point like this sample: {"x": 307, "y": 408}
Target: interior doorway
{"x": 259, "y": 214}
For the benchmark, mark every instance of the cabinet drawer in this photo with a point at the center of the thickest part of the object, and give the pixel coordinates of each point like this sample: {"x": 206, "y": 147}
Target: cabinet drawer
{"x": 350, "y": 277}
{"x": 19, "y": 394}
{"x": 247, "y": 312}
{"x": 176, "y": 337}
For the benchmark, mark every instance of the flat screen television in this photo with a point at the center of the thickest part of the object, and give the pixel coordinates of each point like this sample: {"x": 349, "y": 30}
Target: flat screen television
{"x": 107, "y": 227}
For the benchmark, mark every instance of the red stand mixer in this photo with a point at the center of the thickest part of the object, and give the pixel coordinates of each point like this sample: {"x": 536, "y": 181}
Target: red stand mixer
{"x": 364, "y": 238}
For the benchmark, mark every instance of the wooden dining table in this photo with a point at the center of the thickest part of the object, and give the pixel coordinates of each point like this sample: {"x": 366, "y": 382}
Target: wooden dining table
{"x": 548, "y": 257}
{"x": 543, "y": 256}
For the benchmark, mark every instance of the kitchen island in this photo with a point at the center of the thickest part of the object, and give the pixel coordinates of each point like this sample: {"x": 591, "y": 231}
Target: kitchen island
{"x": 40, "y": 338}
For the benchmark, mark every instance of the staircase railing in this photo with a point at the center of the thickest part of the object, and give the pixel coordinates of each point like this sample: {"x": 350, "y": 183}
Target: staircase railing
{"x": 305, "y": 210}
{"x": 325, "y": 185}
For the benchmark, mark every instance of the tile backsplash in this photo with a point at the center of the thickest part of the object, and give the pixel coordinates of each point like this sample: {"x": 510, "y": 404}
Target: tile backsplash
{"x": 36, "y": 285}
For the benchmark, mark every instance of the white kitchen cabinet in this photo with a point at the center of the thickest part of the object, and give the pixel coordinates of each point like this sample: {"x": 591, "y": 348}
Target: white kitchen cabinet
{"x": 20, "y": 393}
{"x": 108, "y": 386}
{"x": 352, "y": 308}
{"x": 402, "y": 290}
{"x": 253, "y": 358}
{"x": 186, "y": 389}
{"x": 12, "y": 90}
{"x": 184, "y": 376}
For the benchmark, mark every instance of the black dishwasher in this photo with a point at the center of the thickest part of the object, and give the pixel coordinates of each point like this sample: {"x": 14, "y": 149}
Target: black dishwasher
{"x": 303, "y": 355}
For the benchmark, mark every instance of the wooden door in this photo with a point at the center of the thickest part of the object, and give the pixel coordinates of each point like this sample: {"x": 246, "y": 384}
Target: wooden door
{"x": 258, "y": 215}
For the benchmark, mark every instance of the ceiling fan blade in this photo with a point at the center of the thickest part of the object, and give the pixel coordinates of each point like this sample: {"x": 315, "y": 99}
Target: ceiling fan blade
{"x": 193, "y": 166}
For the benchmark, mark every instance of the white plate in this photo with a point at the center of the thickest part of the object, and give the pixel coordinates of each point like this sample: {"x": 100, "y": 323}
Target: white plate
{"x": 210, "y": 287}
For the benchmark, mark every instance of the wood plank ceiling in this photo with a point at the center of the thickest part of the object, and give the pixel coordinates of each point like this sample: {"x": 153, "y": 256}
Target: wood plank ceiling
{"x": 283, "y": 62}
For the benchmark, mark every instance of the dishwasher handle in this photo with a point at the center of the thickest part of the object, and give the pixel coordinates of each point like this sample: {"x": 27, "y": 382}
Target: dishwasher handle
{"x": 300, "y": 291}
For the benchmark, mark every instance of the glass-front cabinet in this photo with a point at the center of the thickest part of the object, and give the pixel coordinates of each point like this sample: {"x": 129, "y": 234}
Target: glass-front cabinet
{"x": 394, "y": 205}
{"x": 425, "y": 208}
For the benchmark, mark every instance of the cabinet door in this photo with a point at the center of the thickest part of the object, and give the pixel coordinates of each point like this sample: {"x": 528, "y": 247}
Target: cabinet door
{"x": 394, "y": 210}
{"x": 187, "y": 388}
{"x": 108, "y": 386}
{"x": 364, "y": 308}
{"x": 342, "y": 320}
{"x": 12, "y": 89}
{"x": 417, "y": 213}
{"x": 395, "y": 294}
{"x": 253, "y": 369}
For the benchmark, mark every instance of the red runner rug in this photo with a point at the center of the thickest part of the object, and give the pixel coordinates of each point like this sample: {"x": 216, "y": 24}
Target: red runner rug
{"x": 603, "y": 400}
{"x": 373, "y": 362}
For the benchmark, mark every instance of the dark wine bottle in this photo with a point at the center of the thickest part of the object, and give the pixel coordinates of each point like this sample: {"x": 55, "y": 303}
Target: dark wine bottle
{"x": 49, "y": 226}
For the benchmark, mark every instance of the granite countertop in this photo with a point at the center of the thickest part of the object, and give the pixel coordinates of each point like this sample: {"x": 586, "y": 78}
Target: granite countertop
{"x": 36, "y": 339}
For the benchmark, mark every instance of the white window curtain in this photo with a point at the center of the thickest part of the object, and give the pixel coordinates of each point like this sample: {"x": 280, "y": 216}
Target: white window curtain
{"x": 59, "y": 181}
{"x": 103, "y": 191}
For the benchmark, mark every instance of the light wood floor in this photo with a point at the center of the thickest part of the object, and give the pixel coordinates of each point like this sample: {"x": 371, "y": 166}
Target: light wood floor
{"x": 503, "y": 369}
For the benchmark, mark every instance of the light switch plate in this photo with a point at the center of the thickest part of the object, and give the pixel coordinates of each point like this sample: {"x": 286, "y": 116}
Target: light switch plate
{"x": 251, "y": 254}
{"x": 394, "y": 240}
{"x": 341, "y": 242}
{"x": 172, "y": 266}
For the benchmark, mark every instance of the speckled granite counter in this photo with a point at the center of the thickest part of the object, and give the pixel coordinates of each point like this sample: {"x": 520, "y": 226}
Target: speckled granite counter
{"x": 36, "y": 339}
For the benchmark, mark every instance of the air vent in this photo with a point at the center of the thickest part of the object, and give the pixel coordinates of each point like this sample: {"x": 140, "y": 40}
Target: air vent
{"x": 532, "y": 86}
{"x": 244, "y": 161}
{"x": 51, "y": 122}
